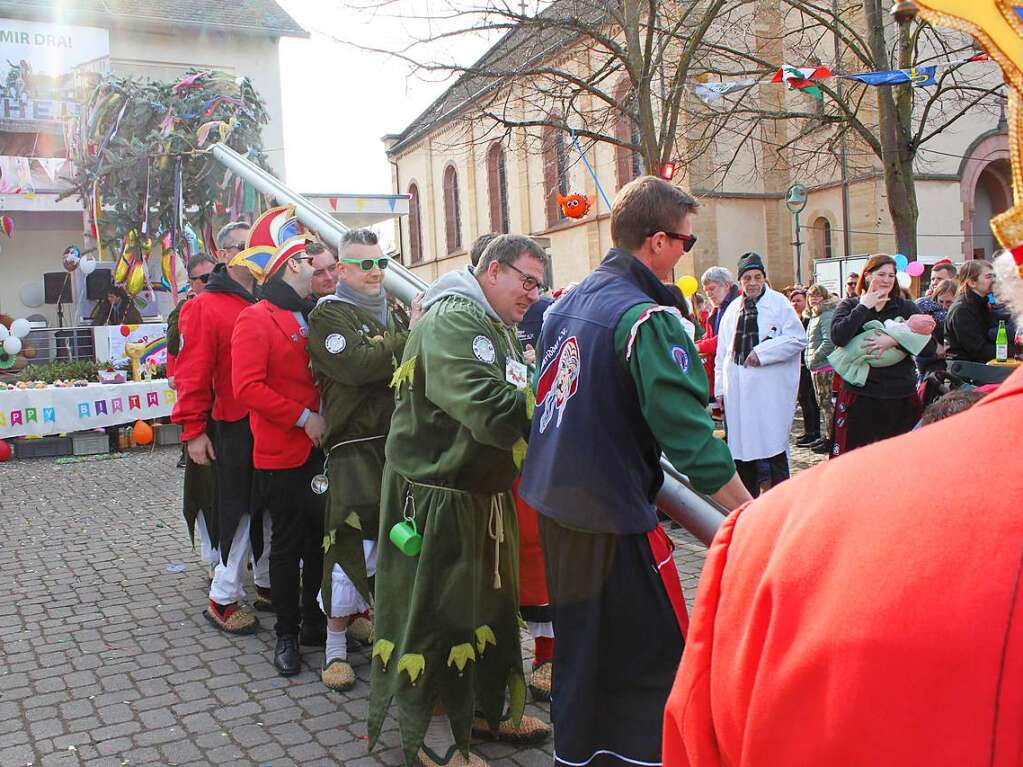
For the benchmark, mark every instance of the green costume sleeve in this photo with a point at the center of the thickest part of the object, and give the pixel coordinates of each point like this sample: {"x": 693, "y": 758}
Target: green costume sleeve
{"x": 173, "y": 332}
{"x": 672, "y": 386}
{"x": 469, "y": 389}
{"x": 338, "y": 350}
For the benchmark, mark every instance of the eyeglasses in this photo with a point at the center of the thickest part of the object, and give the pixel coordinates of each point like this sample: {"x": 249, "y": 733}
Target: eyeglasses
{"x": 234, "y": 247}
{"x": 687, "y": 240}
{"x": 368, "y": 263}
{"x": 203, "y": 278}
{"x": 301, "y": 258}
{"x": 529, "y": 281}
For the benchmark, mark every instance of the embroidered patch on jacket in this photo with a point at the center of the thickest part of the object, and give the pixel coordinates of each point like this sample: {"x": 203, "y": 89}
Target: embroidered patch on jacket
{"x": 484, "y": 350}
{"x": 559, "y": 381}
{"x": 681, "y": 357}
{"x": 335, "y": 343}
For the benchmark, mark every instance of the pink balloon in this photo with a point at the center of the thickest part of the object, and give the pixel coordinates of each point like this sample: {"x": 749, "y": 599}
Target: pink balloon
{"x": 914, "y": 269}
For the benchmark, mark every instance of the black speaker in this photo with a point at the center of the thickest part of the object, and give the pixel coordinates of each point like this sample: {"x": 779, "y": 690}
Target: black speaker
{"x": 96, "y": 284}
{"x": 57, "y": 287}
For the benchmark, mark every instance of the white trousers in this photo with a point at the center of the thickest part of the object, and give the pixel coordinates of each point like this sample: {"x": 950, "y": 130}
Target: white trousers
{"x": 209, "y": 554}
{"x": 536, "y": 630}
{"x": 345, "y": 599}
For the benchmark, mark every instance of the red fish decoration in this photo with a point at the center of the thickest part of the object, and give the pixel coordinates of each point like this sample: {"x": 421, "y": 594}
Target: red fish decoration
{"x": 7, "y": 224}
{"x": 575, "y": 205}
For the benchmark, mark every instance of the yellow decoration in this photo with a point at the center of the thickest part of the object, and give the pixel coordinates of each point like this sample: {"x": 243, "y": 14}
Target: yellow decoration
{"x": 135, "y": 351}
{"x": 404, "y": 372}
{"x": 353, "y": 520}
{"x": 413, "y": 663}
{"x": 998, "y": 29}
{"x": 460, "y": 655}
{"x": 384, "y": 649}
{"x": 484, "y": 635}
{"x": 688, "y": 285}
{"x": 519, "y": 452}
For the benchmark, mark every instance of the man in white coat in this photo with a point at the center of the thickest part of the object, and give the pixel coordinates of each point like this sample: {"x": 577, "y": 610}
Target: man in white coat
{"x": 756, "y": 374}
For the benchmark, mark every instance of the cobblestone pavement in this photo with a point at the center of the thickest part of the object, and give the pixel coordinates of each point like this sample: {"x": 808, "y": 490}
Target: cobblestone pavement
{"x": 105, "y": 658}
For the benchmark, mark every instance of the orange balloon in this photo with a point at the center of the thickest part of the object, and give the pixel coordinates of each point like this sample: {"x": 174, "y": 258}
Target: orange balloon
{"x": 142, "y": 433}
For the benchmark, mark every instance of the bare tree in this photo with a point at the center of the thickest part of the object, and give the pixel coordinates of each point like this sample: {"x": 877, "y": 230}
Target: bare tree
{"x": 870, "y": 128}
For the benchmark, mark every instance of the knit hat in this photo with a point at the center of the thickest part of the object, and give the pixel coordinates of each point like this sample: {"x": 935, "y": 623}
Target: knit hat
{"x": 750, "y": 261}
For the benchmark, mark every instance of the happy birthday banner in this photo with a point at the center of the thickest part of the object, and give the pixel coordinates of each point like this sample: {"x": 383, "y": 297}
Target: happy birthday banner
{"x": 56, "y": 410}
{"x": 805, "y": 79}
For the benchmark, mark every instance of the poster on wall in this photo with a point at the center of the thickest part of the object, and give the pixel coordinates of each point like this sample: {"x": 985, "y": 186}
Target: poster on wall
{"x": 112, "y": 338}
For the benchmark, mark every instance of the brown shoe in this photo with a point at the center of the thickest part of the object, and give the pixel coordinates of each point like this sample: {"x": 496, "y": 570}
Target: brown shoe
{"x": 231, "y": 619}
{"x": 530, "y": 731}
{"x": 427, "y": 758}
{"x": 263, "y": 601}
{"x": 361, "y": 630}
{"x": 540, "y": 682}
{"x": 338, "y": 675}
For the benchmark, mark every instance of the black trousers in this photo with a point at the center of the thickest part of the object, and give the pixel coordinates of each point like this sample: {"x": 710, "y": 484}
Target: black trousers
{"x": 617, "y": 650}
{"x": 808, "y": 404}
{"x": 747, "y": 471}
{"x": 296, "y": 543}
{"x": 235, "y": 477}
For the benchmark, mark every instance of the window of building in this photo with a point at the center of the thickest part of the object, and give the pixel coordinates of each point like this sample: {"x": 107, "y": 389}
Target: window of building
{"x": 452, "y": 214}
{"x": 497, "y": 182}
{"x": 415, "y": 226}
{"x": 628, "y": 162}
{"x": 822, "y": 233}
{"x": 555, "y": 172}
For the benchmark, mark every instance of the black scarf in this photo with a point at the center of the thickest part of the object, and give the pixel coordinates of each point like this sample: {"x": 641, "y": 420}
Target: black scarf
{"x": 220, "y": 281}
{"x": 747, "y": 333}
{"x": 282, "y": 295}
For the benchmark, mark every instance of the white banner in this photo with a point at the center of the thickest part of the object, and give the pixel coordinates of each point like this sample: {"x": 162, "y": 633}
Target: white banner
{"x": 55, "y": 411}
{"x": 50, "y": 49}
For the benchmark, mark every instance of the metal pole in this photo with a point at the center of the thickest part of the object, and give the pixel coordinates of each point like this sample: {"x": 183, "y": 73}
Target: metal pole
{"x": 677, "y": 498}
{"x": 799, "y": 253}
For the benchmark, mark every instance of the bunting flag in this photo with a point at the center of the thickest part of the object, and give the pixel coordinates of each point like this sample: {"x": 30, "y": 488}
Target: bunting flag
{"x": 921, "y": 77}
{"x": 802, "y": 78}
{"x": 711, "y": 93}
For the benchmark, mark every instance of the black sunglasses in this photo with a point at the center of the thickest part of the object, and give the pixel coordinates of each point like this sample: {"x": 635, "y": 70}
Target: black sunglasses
{"x": 368, "y": 263}
{"x": 687, "y": 240}
{"x": 203, "y": 278}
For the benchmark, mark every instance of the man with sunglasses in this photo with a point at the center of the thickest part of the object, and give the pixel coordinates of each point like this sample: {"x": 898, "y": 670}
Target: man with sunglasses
{"x": 356, "y": 334}
{"x": 619, "y": 382}
{"x": 850, "y": 284}
{"x": 217, "y": 434}
{"x": 446, "y": 617}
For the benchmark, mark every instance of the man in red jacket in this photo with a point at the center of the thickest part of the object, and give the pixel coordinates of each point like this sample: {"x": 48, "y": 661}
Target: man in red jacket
{"x": 272, "y": 378}
{"x": 215, "y": 429}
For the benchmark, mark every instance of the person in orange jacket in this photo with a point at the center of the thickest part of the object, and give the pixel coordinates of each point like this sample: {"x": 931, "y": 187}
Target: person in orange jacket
{"x": 869, "y": 612}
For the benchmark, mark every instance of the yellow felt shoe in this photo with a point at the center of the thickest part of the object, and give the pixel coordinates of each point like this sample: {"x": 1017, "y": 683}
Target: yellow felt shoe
{"x": 361, "y": 630}
{"x": 540, "y": 682}
{"x": 338, "y": 675}
{"x": 529, "y": 732}
{"x": 426, "y": 757}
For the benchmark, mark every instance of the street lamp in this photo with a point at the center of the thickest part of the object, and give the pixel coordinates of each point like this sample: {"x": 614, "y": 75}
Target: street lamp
{"x": 795, "y": 201}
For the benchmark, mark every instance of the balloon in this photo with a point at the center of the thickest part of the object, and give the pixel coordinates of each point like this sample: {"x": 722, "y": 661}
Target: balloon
{"x": 32, "y": 295}
{"x": 88, "y": 264}
{"x": 901, "y": 262}
{"x": 125, "y": 331}
{"x": 20, "y": 328}
{"x": 904, "y": 280}
{"x": 915, "y": 269}
{"x": 688, "y": 285}
{"x": 12, "y": 345}
{"x": 4, "y": 332}
{"x": 142, "y": 432}
{"x": 7, "y": 224}
{"x": 5, "y": 452}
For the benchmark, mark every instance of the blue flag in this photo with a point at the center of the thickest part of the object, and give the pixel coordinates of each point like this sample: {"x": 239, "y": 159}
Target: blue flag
{"x": 919, "y": 76}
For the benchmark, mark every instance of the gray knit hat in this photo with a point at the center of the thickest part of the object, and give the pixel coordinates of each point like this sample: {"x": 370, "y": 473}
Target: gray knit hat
{"x": 750, "y": 261}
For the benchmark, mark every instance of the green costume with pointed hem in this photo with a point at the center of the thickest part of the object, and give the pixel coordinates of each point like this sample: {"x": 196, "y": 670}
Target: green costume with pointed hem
{"x": 353, "y": 357}
{"x": 446, "y": 625}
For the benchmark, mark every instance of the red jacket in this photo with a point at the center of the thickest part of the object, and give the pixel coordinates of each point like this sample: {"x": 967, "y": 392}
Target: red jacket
{"x": 273, "y": 380}
{"x": 202, "y": 369}
{"x": 867, "y": 612}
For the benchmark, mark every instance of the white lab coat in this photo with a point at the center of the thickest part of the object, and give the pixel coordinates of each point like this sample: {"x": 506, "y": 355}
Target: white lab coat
{"x": 760, "y": 402}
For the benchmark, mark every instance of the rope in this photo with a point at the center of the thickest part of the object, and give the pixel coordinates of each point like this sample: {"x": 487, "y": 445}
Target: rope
{"x": 495, "y": 528}
{"x": 582, "y": 154}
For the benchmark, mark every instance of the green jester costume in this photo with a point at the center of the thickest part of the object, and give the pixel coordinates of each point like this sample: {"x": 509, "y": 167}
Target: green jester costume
{"x": 353, "y": 355}
{"x": 446, "y": 620}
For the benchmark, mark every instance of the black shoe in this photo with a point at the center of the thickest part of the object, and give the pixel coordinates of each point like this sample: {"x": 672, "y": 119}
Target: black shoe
{"x": 313, "y": 636}
{"x": 821, "y": 447}
{"x": 807, "y": 439}
{"x": 287, "y": 658}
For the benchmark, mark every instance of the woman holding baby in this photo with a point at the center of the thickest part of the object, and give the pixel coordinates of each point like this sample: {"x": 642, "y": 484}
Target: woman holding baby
{"x": 876, "y": 332}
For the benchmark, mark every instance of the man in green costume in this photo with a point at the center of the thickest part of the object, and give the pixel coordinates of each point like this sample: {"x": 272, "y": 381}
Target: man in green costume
{"x": 356, "y": 338}
{"x": 447, "y": 644}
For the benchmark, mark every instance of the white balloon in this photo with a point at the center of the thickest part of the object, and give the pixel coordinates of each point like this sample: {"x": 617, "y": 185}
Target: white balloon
{"x": 32, "y": 295}
{"x": 87, "y": 265}
{"x": 4, "y": 332}
{"x": 12, "y": 345}
{"x": 20, "y": 328}
{"x": 904, "y": 280}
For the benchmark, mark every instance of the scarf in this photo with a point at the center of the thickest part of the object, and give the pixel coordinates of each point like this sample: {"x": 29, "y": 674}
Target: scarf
{"x": 374, "y": 305}
{"x": 747, "y": 333}
{"x": 281, "y": 294}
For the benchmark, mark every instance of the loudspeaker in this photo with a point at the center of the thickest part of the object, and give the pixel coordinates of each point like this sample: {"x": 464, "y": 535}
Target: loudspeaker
{"x": 57, "y": 287}
{"x": 96, "y": 284}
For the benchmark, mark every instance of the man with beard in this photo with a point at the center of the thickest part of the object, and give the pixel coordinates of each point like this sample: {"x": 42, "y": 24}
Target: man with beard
{"x": 325, "y": 269}
{"x": 356, "y": 336}
{"x": 215, "y": 429}
{"x": 272, "y": 378}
